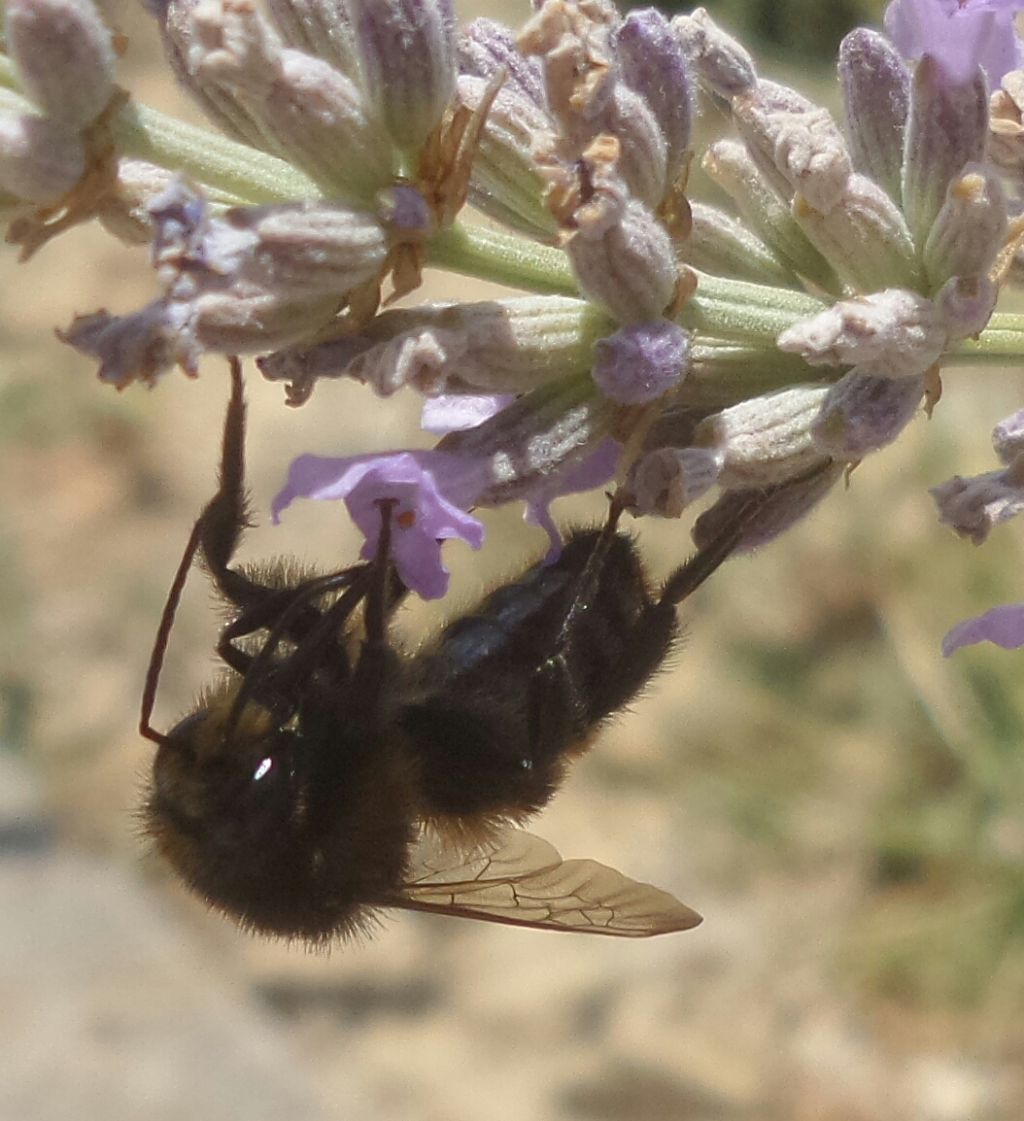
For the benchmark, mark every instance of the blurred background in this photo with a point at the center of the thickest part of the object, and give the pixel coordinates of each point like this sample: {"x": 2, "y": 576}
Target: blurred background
{"x": 845, "y": 807}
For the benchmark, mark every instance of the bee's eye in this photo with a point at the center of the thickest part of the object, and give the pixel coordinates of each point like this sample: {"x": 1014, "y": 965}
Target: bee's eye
{"x": 266, "y": 767}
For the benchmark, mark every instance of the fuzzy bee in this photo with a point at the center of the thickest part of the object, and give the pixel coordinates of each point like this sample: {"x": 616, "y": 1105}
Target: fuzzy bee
{"x": 328, "y": 774}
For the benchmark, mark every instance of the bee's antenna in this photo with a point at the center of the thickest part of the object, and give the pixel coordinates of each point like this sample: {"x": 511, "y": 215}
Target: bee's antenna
{"x": 163, "y": 634}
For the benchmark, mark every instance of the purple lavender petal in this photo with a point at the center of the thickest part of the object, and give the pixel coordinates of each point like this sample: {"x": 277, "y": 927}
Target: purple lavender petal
{"x": 960, "y": 35}
{"x": 596, "y": 469}
{"x": 1003, "y": 625}
{"x": 427, "y": 511}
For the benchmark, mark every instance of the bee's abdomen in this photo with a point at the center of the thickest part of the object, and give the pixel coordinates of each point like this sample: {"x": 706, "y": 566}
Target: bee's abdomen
{"x": 514, "y": 689}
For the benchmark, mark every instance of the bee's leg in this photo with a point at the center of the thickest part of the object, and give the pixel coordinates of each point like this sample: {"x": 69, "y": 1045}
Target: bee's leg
{"x": 215, "y": 535}
{"x": 589, "y": 578}
{"x": 373, "y": 669}
{"x": 317, "y": 644}
{"x": 558, "y": 711}
{"x": 289, "y": 614}
{"x": 226, "y": 516}
{"x": 380, "y": 583}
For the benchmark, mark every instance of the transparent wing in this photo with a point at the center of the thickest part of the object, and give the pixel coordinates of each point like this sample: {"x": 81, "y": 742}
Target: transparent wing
{"x": 522, "y": 880}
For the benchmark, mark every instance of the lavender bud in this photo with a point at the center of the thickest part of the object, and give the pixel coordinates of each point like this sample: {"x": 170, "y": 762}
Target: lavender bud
{"x": 776, "y": 511}
{"x": 729, "y": 164}
{"x": 485, "y": 47}
{"x": 652, "y": 63}
{"x": 642, "y": 160}
{"x": 975, "y": 506}
{"x": 318, "y": 27}
{"x": 667, "y": 480}
{"x": 862, "y": 413}
{"x": 876, "y": 91}
{"x": 864, "y": 237}
{"x": 1008, "y": 437}
{"x": 641, "y": 362}
{"x": 717, "y": 243}
{"x": 307, "y": 109}
{"x": 722, "y": 63}
{"x": 970, "y": 229}
{"x": 65, "y": 57}
{"x": 40, "y": 159}
{"x": 966, "y": 304}
{"x": 628, "y": 266}
{"x": 408, "y": 54}
{"x": 765, "y": 440}
{"x": 179, "y": 36}
{"x": 1006, "y": 125}
{"x": 298, "y": 248}
{"x": 249, "y": 319}
{"x": 506, "y": 183}
{"x": 946, "y": 130}
{"x": 498, "y": 346}
{"x": 552, "y": 427}
{"x": 893, "y": 334}
{"x": 795, "y": 143}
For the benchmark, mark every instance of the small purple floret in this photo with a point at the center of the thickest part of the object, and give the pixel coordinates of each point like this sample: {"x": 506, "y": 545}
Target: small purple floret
{"x": 1003, "y": 625}
{"x": 959, "y": 34}
{"x": 405, "y": 210}
{"x": 598, "y": 468}
{"x": 426, "y": 513}
{"x": 641, "y": 362}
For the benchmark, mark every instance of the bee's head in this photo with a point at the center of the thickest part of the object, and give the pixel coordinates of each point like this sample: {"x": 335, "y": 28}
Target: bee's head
{"x": 263, "y": 822}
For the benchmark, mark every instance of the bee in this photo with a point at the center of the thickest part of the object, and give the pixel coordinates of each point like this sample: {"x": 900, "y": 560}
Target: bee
{"x": 329, "y": 775}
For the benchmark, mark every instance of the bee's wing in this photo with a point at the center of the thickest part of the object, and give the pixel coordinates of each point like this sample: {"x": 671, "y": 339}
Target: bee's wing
{"x": 523, "y": 881}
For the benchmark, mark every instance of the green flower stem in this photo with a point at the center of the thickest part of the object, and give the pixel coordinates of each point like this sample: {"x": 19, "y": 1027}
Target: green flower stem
{"x": 722, "y": 374}
{"x": 250, "y": 175}
{"x": 488, "y": 254}
{"x": 740, "y": 310}
{"x": 233, "y": 169}
{"x": 1001, "y": 344}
